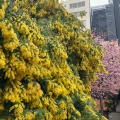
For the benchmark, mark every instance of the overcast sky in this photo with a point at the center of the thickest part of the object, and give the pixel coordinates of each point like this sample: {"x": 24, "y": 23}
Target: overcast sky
{"x": 98, "y": 2}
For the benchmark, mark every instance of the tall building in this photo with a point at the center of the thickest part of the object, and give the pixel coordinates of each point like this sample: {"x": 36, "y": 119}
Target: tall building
{"x": 116, "y": 4}
{"x": 110, "y": 1}
{"x": 103, "y": 22}
{"x": 77, "y": 7}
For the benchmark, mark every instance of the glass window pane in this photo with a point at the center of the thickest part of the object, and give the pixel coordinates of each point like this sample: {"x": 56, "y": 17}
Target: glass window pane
{"x": 79, "y": 4}
{"x": 70, "y": 5}
{"x": 84, "y": 22}
{"x": 83, "y": 3}
{"x": 74, "y": 5}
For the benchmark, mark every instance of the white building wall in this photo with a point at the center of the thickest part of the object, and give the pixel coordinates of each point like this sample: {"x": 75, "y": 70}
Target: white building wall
{"x": 86, "y": 8}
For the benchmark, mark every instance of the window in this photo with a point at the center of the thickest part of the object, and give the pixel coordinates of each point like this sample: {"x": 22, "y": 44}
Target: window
{"x": 77, "y": 14}
{"x": 79, "y": 4}
{"x": 82, "y": 13}
{"x": 83, "y": 3}
{"x": 70, "y": 5}
{"x": 84, "y": 22}
{"x": 76, "y": 5}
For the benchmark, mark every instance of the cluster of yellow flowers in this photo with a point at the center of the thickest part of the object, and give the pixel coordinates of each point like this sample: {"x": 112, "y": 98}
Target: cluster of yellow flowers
{"x": 30, "y": 52}
{"x": 16, "y": 68}
{"x": 12, "y": 91}
{"x": 2, "y": 59}
{"x": 30, "y": 116}
{"x": 82, "y": 47}
{"x": 3, "y": 8}
{"x": 10, "y": 38}
{"x": 2, "y": 13}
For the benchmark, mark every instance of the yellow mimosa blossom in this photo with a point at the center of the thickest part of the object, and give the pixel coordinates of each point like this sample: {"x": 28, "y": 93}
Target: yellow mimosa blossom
{"x": 2, "y": 13}
{"x": 15, "y": 9}
{"x": 30, "y": 116}
{"x": 2, "y": 63}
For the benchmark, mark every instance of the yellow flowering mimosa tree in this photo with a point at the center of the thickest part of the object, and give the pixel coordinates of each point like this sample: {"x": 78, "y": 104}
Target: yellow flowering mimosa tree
{"x": 47, "y": 63}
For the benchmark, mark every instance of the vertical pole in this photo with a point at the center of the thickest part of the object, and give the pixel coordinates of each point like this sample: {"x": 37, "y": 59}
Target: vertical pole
{"x": 101, "y": 104}
{"x": 67, "y": 110}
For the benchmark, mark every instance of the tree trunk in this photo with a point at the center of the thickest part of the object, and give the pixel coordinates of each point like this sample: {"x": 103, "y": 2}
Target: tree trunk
{"x": 101, "y": 104}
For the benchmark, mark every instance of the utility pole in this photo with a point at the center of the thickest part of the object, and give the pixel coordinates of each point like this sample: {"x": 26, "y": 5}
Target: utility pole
{"x": 101, "y": 104}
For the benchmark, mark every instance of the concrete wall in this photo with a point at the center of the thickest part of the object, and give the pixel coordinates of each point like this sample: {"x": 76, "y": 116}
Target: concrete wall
{"x": 118, "y": 108}
{"x": 86, "y": 18}
{"x": 114, "y": 116}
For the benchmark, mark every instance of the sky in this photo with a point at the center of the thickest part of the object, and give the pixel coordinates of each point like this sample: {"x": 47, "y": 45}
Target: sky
{"x": 98, "y": 2}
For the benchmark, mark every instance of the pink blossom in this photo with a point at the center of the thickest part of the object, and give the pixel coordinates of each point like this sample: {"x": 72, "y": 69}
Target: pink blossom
{"x": 111, "y": 82}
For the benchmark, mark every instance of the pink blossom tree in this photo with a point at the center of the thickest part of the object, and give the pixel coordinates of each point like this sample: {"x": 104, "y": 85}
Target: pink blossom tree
{"x": 110, "y": 83}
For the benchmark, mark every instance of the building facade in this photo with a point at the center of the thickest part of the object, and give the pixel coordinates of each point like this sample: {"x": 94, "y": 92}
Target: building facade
{"x": 103, "y": 21}
{"x": 110, "y": 1}
{"x": 116, "y": 4}
{"x": 77, "y": 7}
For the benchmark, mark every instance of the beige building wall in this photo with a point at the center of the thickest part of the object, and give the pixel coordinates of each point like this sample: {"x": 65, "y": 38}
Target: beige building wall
{"x": 82, "y": 5}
